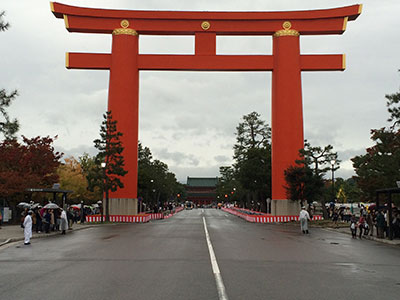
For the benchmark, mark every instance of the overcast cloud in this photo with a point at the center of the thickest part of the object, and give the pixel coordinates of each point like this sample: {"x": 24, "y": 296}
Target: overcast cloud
{"x": 188, "y": 119}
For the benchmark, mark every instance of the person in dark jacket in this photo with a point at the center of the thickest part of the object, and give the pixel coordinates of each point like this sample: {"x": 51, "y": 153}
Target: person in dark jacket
{"x": 46, "y": 220}
{"x": 39, "y": 222}
{"x": 380, "y": 224}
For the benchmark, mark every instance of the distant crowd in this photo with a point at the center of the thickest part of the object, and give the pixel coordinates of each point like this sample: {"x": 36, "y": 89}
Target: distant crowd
{"x": 48, "y": 220}
{"x": 369, "y": 222}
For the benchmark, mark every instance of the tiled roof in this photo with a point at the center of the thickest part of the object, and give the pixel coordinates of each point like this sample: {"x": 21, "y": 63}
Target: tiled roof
{"x": 202, "y": 181}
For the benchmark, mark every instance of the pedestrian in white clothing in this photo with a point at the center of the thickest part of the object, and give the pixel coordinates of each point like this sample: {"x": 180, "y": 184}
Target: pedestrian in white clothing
{"x": 64, "y": 222}
{"x": 304, "y": 217}
{"x": 28, "y": 228}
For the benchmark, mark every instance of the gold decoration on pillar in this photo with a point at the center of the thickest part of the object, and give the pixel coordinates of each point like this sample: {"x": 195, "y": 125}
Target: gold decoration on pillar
{"x": 205, "y": 25}
{"x": 124, "y": 30}
{"x": 286, "y": 31}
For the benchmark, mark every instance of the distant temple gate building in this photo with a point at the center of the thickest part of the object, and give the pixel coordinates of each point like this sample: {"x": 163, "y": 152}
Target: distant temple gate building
{"x": 201, "y": 190}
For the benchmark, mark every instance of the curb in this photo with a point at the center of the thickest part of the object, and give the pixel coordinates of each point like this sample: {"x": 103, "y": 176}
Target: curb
{"x": 367, "y": 237}
{"x": 11, "y": 240}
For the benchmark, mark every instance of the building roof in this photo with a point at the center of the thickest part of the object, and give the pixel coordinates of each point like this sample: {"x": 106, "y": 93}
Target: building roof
{"x": 195, "y": 195}
{"x": 202, "y": 181}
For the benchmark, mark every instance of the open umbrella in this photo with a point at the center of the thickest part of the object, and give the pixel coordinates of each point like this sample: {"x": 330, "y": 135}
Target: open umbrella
{"x": 35, "y": 205}
{"x": 51, "y": 206}
{"x": 24, "y": 205}
{"x": 76, "y": 206}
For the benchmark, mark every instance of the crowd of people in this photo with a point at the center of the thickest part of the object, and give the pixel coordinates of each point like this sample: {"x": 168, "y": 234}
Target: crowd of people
{"x": 369, "y": 222}
{"x": 45, "y": 220}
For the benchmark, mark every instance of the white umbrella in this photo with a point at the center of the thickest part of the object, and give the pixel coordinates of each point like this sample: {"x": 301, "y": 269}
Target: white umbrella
{"x": 24, "y": 205}
{"x": 51, "y": 206}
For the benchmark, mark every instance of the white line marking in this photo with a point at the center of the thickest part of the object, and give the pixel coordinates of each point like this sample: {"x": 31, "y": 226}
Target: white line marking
{"x": 217, "y": 274}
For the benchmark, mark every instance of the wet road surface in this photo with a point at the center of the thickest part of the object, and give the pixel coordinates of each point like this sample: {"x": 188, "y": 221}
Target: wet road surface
{"x": 170, "y": 259}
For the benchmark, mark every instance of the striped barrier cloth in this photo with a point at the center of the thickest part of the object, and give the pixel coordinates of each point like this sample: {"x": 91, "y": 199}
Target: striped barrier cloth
{"x": 264, "y": 218}
{"x": 142, "y": 218}
{"x": 120, "y": 218}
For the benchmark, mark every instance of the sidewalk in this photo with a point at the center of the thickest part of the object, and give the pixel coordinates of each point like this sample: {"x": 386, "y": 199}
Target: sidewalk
{"x": 346, "y": 230}
{"x": 13, "y": 233}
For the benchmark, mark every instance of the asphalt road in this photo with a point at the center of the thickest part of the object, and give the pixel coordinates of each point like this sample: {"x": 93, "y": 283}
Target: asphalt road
{"x": 170, "y": 259}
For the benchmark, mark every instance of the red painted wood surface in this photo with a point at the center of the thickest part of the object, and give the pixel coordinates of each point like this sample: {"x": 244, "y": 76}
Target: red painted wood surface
{"x": 286, "y": 63}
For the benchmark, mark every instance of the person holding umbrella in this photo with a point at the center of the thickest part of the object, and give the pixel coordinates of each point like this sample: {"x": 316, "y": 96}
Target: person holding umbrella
{"x": 27, "y": 228}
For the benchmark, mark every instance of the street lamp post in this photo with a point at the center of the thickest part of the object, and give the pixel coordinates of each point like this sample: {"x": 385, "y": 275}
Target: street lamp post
{"x": 333, "y": 162}
{"x": 105, "y": 190}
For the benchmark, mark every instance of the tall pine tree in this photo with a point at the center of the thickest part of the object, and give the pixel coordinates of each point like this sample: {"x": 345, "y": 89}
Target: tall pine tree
{"x": 7, "y": 127}
{"x": 110, "y": 152}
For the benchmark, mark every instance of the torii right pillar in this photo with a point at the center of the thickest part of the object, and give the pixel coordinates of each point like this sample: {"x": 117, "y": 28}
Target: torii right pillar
{"x": 287, "y": 114}
{"x": 287, "y": 109}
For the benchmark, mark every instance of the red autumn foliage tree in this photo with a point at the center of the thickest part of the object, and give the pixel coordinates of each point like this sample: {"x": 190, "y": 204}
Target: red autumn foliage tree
{"x": 30, "y": 164}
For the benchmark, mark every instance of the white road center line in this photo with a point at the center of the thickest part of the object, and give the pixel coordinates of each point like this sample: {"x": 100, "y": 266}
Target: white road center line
{"x": 217, "y": 274}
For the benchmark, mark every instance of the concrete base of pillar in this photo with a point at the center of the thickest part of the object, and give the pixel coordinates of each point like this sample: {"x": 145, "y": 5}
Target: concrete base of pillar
{"x": 285, "y": 207}
{"x": 122, "y": 206}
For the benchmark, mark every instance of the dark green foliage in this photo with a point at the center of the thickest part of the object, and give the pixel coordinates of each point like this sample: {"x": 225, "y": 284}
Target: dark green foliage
{"x": 7, "y": 127}
{"x": 319, "y": 158}
{"x": 3, "y": 24}
{"x": 305, "y": 180}
{"x": 393, "y": 101}
{"x": 380, "y": 167}
{"x": 303, "y": 184}
{"x": 110, "y": 151}
{"x": 250, "y": 175}
{"x": 156, "y": 184}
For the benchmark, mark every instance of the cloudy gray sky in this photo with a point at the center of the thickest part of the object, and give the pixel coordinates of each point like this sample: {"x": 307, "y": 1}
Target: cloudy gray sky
{"x": 188, "y": 119}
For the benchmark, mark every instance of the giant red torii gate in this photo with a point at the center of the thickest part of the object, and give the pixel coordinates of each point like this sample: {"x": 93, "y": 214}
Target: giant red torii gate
{"x": 286, "y": 64}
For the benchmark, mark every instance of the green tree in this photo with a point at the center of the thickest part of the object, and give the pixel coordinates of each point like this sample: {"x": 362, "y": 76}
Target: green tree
{"x": 305, "y": 180}
{"x": 156, "y": 185}
{"x": 110, "y": 152}
{"x": 303, "y": 184}
{"x": 319, "y": 158}
{"x": 228, "y": 187}
{"x": 393, "y": 105}
{"x": 379, "y": 167}
{"x": 252, "y": 155}
{"x": 347, "y": 190}
{"x": 7, "y": 127}
{"x": 3, "y": 24}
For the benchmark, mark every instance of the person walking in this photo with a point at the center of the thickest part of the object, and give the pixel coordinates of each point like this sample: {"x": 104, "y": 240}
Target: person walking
{"x": 370, "y": 222}
{"x": 46, "y": 221}
{"x": 304, "y": 217}
{"x": 39, "y": 223}
{"x": 380, "y": 224}
{"x": 353, "y": 226}
{"x": 63, "y": 222}
{"x": 52, "y": 220}
{"x": 361, "y": 224}
{"x": 28, "y": 228}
